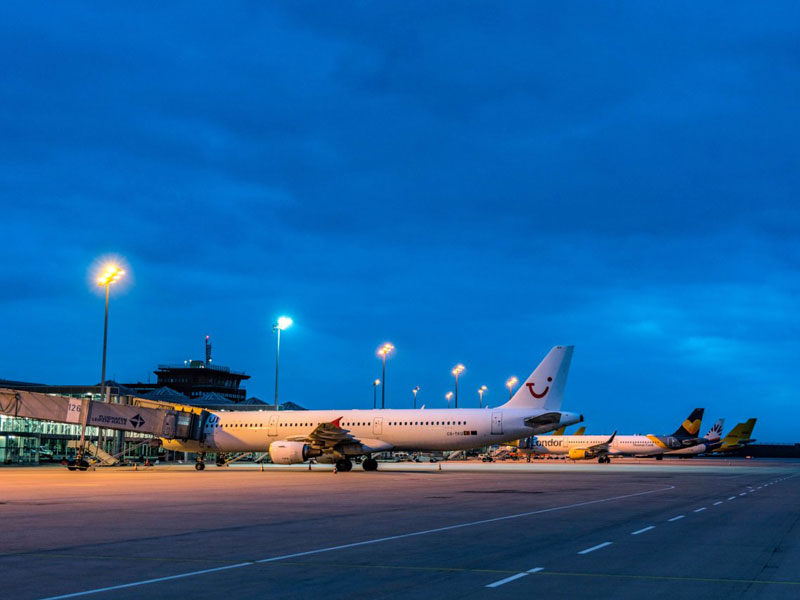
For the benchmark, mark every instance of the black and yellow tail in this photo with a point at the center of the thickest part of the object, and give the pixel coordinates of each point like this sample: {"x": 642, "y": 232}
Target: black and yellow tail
{"x": 691, "y": 426}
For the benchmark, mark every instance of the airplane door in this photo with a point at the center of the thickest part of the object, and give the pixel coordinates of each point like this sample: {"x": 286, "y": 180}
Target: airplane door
{"x": 497, "y": 422}
{"x": 272, "y": 429}
{"x": 377, "y": 426}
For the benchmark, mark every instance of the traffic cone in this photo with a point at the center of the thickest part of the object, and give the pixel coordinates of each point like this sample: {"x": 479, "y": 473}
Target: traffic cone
{"x": 309, "y": 466}
{"x": 440, "y": 466}
{"x": 334, "y": 470}
{"x": 262, "y": 467}
{"x": 135, "y": 466}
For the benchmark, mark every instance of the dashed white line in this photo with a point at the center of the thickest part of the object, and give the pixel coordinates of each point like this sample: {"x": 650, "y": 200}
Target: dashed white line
{"x": 717, "y": 503}
{"x": 638, "y": 531}
{"x": 743, "y": 494}
{"x": 535, "y": 569}
{"x": 506, "y": 580}
{"x": 699, "y": 509}
{"x": 593, "y": 548}
{"x": 676, "y": 518}
{"x": 732, "y": 498}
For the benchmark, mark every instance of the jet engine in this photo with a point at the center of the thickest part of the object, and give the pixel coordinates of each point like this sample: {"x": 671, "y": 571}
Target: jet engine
{"x": 578, "y": 454}
{"x": 290, "y": 453}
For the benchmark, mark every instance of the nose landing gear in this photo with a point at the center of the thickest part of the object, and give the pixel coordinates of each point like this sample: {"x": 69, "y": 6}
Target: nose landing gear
{"x": 200, "y": 464}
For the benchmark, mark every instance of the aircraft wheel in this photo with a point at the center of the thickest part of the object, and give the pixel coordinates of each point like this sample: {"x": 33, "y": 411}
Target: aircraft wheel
{"x": 608, "y": 460}
{"x": 601, "y": 460}
{"x": 369, "y": 464}
{"x": 199, "y": 466}
{"x": 344, "y": 465}
{"x": 83, "y": 466}
{"x": 660, "y": 457}
{"x": 71, "y": 465}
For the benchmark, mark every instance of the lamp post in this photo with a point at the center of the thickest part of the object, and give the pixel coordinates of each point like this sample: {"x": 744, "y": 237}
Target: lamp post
{"x": 109, "y": 275}
{"x": 512, "y": 381}
{"x": 448, "y": 395}
{"x": 457, "y": 370}
{"x": 415, "y": 390}
{"x": 383, "y": 351}
{"x": 481, "y": 389}
{"x": 283, "y": 323}
{"x": 375, "y": 385}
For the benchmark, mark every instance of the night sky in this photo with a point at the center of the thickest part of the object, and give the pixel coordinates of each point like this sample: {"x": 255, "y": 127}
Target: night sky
{"x": 473, "y": 182}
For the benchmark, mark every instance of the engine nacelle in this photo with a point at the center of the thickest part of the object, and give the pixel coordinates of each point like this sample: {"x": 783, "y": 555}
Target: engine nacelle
{"x": 290, "y": 453}
{"x": 578, "y": 454}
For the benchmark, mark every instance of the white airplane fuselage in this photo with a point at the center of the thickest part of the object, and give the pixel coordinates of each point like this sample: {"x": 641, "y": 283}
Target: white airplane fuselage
{"x": 622, "y": 445}
{"x": 377, "y": 430}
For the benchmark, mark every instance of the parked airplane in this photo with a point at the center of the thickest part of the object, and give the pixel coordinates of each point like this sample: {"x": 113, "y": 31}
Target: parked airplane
{"x": 709, "y": 443}
{"x": 587, "y": 447}
{"x": 336, "y": 436}
{"x": 738, "y": 437}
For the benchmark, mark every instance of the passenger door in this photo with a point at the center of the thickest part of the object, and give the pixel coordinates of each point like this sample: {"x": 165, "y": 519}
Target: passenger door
{"x": 497, "y": 422}
{"x": 272, "y": 429}
{"x": 377, "y": 426}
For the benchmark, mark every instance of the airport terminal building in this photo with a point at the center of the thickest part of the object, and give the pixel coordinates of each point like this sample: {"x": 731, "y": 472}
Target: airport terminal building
{"x": 193, "y": 383}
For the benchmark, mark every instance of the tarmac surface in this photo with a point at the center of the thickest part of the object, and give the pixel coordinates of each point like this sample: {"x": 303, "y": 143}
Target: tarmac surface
{"x": 632, "y": 529}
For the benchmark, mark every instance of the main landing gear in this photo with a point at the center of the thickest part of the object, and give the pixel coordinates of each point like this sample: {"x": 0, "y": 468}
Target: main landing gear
{"x": 344, "y": 465}
{"x": 370, "y": 464}
{"x": 200, "y": 464}
{"x": 604, "y": 459}
{"x": 221, "y": 459}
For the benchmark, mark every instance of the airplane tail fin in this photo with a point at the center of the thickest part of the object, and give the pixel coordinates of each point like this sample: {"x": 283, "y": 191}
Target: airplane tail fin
{"x": 544, "y": 388}
{"x": 580, "y": 431}
{"x": 691, "y": 426}
{"x": 740, "y": 433}
{"x": 560, "y": 430}
{"x": 716, "y": 430}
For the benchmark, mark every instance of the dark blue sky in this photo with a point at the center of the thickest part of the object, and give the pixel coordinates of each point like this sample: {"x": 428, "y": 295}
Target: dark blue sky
{"x": 474, "y": 182}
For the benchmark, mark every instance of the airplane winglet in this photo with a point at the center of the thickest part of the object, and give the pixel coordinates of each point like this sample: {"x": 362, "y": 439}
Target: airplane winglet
{"x": 611, "y": 439}
{"x": 336, "y": 422}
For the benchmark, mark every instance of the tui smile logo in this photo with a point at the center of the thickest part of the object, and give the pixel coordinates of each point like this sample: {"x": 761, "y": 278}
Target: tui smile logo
{"x": 137, "y": 420}
{"x": 544, "y": 393}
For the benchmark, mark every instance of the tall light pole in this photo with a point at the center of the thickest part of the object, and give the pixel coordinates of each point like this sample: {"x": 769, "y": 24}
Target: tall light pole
{"x": 383, "y": 351}
{"x": 283, "y": 323}
{"x": 512, "y": 381}
{"x": 481, "y": 389}
{"x": 375, "y": 385}
{"x": 110, "y": 274}
{"x": 448, "y": 395}
{"x": 415, "y": 390}
{"x": 457, "y": 370}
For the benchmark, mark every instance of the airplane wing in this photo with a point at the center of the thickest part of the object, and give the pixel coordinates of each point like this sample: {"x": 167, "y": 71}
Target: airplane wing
{"x": 601, "y": 449}
{"x": 326, "y": 436}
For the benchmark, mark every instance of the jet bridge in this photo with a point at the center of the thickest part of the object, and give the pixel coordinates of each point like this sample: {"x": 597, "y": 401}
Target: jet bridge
{"x": 156, "y": 418}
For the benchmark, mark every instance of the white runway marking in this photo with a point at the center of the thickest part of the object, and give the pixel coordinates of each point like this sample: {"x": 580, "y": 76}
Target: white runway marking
{"x": 718, "y": 503}
{"x": 593, "y": 548}
{"x": 743, "y": 494}
{"x": 535, "y": 569}
{"x": 146, "y": 581}
{"x": 676, "y": 518}
{"x": 506, "y": 580}
{"x": 638, "y": 531}
{"x": 699, "y": 509}
{"x": 732, "y": 498}
{"x": 357, "y": 544}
